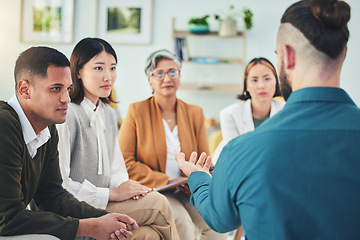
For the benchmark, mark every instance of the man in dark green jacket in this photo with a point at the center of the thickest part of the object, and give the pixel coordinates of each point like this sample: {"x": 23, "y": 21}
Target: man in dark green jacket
{"x": 29, "y": 167}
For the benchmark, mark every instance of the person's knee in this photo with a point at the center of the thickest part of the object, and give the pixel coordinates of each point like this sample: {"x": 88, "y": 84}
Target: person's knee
{"x": 158, "y": 198}
{"x": 160, "y": 202}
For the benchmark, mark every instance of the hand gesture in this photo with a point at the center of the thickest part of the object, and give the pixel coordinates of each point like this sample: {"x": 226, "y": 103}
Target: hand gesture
{"x": 202, "y": 164}
{"x": 109, "y": 226}
{"x": 128, "y": 189}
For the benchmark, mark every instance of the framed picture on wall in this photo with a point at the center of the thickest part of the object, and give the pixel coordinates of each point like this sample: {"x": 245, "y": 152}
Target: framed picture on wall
{"x": 125, "y": 21}
{"x": 47, "y": 21}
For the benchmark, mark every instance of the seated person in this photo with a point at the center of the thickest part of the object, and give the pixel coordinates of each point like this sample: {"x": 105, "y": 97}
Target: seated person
{"x": 29, "y": 164}
{"x": 297, "y": 175}
{"x": 261, "y": 85}
{"x": 91, "y": 162}
{"x": 153, "y": 128}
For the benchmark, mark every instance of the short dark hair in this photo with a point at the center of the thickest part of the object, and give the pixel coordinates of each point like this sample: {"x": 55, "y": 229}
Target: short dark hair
{"x": 36, "y": 60}
{"x": 261, "y": 60}
{"x": 85, "y": 50}
{"x": 323, "y": 23}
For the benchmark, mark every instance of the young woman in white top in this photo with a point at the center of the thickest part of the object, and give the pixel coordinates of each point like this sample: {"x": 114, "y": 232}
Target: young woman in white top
{"x": 257, "y": 103}
{"x": 91, "y": 162}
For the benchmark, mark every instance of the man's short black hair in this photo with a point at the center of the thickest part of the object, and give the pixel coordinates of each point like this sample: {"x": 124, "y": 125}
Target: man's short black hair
{"x": 36, "y": 60}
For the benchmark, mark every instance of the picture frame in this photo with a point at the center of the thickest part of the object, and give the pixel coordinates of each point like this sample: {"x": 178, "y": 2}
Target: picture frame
{"x": 125, "y": 21}
{"x": 47, "y": 21}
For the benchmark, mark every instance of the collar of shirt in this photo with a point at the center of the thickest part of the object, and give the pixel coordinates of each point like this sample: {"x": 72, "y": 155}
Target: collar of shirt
{"x": 319, "y": 94}
{"x": 89, "y": 109}
{"x": 32, "y": 141}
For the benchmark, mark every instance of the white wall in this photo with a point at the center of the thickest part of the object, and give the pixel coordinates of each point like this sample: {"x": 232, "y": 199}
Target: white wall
{"x": 132, "y": 84}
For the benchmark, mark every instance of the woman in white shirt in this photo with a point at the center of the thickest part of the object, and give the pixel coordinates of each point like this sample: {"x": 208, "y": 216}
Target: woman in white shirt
{"x": 91, "y": 162}
{"x": 257, "y": 103}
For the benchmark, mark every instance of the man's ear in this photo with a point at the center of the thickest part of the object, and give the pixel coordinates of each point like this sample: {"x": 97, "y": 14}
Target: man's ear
{"x": 23, "y": 88}
{"x": 289, "y": 57}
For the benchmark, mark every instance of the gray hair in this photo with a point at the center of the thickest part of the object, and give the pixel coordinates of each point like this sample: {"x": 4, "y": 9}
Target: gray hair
{"x": 156, "y": 56}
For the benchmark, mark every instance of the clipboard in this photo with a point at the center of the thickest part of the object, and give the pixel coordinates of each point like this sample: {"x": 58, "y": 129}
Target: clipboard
{"x": 170, "y": 186}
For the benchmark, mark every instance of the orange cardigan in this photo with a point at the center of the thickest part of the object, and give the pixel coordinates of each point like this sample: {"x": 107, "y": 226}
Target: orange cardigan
{"x": 142, "y": 139}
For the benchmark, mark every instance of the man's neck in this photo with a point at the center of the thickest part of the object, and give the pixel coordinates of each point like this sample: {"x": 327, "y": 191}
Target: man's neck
{"x": 316, "y": 76}
{"x": 36, "y": 124}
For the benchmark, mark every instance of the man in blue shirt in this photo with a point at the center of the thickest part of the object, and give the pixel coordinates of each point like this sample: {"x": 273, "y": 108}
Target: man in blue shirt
{"x": 297, "y": 175}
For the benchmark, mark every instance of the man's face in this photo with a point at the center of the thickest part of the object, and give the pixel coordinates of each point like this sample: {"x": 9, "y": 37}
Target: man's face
{"x": 48, "y": 98}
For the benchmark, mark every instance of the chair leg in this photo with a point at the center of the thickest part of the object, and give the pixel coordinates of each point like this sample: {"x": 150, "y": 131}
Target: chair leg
{"x": 238, "y": 233}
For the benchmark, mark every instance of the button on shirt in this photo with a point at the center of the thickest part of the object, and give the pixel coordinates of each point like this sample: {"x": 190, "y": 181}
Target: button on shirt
{"x": 33, "y": 141}
{"x": 297, "y": 176}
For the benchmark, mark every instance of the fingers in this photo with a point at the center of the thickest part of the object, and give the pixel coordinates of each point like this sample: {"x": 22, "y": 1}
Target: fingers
{"x": 137, "y": 197}
{"x": 207, "y": 164}
{"x": 126, "y": 219}
{"x": 193, "y": 157}
{"x": 201, "y": 160}
{"x": 179, "y": 156}
{"x": 124, "y": 234}
{"x": 135, "y": 189}
{"x": 121, "y": 234}
{"x": 113, "y": 236}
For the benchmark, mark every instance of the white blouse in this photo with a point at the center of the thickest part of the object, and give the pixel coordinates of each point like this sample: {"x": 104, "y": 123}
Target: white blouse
{"x": 86, "y": 191}
{"x": 172, "y": 143}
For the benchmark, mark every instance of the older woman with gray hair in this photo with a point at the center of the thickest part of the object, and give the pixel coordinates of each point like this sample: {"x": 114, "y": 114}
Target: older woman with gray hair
{"x": 153, "y": 129}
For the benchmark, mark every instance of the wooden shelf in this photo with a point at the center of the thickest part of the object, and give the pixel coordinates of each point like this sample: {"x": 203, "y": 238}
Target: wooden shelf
{"x": 234, "y": 88}
{"x": 212, "y": 87}
{"x": 184, "y": 34}
{"x": 225, "y": 61}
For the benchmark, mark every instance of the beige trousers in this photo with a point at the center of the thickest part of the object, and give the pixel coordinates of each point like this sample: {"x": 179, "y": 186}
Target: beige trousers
{"x": 152, "y": 213}
{"x": 189, "y": 223}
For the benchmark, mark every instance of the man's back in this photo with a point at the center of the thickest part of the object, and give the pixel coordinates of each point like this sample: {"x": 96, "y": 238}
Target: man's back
{"x": 299, "y": 171}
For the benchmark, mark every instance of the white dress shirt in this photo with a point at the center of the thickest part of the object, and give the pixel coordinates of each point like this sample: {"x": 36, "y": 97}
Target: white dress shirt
{"x": 86, "y": 191}
{"x": 32, "y": 140}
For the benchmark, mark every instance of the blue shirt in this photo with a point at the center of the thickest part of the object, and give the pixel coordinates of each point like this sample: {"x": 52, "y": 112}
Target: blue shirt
{"x": 297, "y": 176}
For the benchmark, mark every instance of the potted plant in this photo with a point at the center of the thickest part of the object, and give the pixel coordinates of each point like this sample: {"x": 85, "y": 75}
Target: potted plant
{"x": 227, "y": 27}
{"x": 199, "y": 25}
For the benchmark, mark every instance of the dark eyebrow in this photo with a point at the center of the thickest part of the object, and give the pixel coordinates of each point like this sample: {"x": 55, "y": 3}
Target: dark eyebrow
{"x": 104, "y": 63}
{"x": 57, "y": 85}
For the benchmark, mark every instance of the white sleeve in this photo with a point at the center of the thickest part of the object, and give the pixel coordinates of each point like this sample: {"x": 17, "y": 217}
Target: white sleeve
{"x": 85, "y": 191}
{"x": 118, "y": 172}
{"x": 228, "y": 126}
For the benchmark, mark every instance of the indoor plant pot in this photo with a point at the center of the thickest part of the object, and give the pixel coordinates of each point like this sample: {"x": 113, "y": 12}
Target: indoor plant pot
{"x": 227, "y": 20}
{"x": 227, "y": 28}
{"x": 199, "y": 25}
